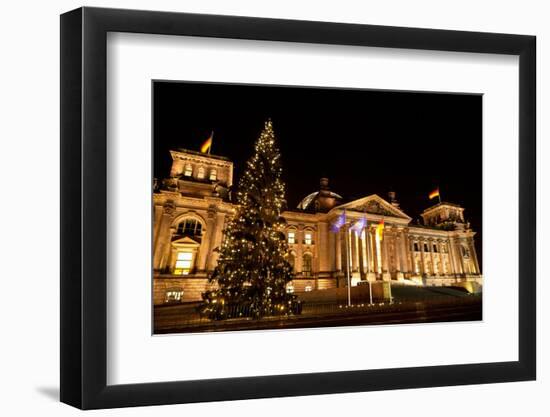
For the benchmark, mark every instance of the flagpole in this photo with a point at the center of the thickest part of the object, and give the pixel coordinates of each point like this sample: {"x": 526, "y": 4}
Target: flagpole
{"x": 368, "y": 247}
{"x": 370, "y": 292}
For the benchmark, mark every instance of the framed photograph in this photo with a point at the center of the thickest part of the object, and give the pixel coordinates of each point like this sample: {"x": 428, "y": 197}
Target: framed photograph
{"x": 257, "y": 208}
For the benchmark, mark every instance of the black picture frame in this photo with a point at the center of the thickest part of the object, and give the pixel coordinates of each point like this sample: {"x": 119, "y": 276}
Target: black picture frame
{"x": 84, "y": 207}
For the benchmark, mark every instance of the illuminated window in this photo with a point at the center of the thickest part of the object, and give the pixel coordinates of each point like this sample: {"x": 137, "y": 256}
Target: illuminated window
{"x": 213, "y": 175}
{"x": 188, "y": 170}
{"x": 308, "y": 287}
{"x": 184, "y": 263}
{"x": 291, "y": 237}
{"x": 306, "y": 265}
{"x": 308, "y": 239}
{"x": 189, "y": 227}
{"x": 200, "y": 174}
{"x": 173, "y": 295}
{"x": 290, "y": 288}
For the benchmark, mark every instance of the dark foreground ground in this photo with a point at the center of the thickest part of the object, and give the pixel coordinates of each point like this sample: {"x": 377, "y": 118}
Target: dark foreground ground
{"x": 410, "y": 305}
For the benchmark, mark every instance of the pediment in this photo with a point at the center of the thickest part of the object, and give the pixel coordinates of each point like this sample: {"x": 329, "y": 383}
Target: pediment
{"x": 186, "y": 241}
{"x": 374, "y": 204}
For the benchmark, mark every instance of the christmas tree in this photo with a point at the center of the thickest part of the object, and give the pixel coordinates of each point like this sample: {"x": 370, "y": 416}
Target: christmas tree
{"x": 253, "y": 270}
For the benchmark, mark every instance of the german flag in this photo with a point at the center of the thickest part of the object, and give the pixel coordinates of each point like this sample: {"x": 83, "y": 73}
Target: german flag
{"x": 434, "y": 193}
{"x": 380, "y": 230}
{"x": 207, "y": 145}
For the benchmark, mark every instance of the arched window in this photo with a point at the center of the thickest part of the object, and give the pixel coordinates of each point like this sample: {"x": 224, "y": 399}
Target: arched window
{"x": 306, "y": 265}
{"x": 200, "y": 173}
{"x": 213, "y": 175}
{"x": 308, "y": 237}
{"x": 189, "y": 227}
{"x": 188, "y": 170}
{"x": 292, "y": 260}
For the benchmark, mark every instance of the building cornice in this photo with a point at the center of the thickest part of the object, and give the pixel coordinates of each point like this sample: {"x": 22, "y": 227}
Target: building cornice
{"x": 197, "y": 157}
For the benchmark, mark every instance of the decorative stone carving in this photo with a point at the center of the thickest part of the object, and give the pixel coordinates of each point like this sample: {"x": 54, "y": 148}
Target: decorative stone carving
{"x": 375, "y": 207}
{"x": 170, "y": 207}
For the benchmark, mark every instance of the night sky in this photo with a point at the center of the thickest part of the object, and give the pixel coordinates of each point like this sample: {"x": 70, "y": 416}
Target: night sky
{"x": 366, "y": 142}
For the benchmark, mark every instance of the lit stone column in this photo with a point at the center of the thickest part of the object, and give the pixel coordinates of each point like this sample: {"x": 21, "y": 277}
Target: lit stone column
{"x": 322, "y": 247}
{"x": 162, "y": 250}
{"x": 461, "y": 253}
{"x": 359, "y": 252}
{"x": 371, "y": 268}
{"x": 299, "y": 249}
{"x": 366, "y": 238}
{"x": 458, "y": 257}
{"x": 432, "y": 261}
{"x": 390, "y": 252}
{"x": 396, "y": 254}
{"x": 338, "y": 257}
{"x": 399, "y": 255}
{"x": 422, "y": 261}
{"x": 377, "y": 255}
{"x": 372, "y": 251}
{"x": 171, "y": 257}
{"x": 441, "y": 258}
{"x": 156, "y": 226}
{"x": 404, "y": 252}
{"x": 453, "y": 258}
{"x": 216, "y": 241}
{"x": 444, "y": 257}
{"x": 167, "y": 251}
{"x": 474, "y": 255}
{"x": 206, "y": 247}
{"x": 385, "y": 261}
{"x": 353, "y": 249}
{"x": 331, "y": 252}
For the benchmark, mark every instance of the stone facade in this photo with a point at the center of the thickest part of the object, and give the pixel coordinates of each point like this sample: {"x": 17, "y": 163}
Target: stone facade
{"x": 192, "y": 207}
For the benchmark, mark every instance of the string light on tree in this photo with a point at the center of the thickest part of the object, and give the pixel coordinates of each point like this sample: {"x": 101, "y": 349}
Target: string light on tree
{"x": 253, "y": 270}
